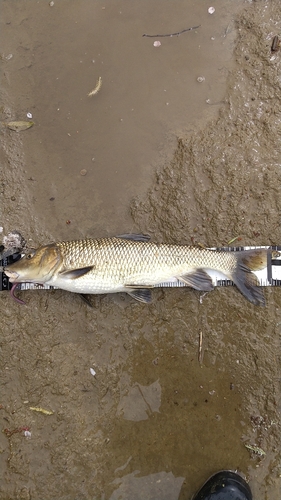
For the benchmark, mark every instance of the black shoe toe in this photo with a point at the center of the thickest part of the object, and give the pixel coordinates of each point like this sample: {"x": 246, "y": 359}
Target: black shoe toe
{"x": 224, "y": 485}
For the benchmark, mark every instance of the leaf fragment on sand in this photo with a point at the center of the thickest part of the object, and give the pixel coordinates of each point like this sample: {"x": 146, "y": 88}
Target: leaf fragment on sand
{"x": 41, "y": 410}
{"x": 255, "y": 449}
{"x": 19, "y": 126}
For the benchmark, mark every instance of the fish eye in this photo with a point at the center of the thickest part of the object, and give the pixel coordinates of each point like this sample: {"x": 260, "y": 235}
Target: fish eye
{"x": 29, "y": 255}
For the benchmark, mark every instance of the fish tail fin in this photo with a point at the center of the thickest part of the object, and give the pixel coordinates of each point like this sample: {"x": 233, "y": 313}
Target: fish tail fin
{"x": 243, "y": 276}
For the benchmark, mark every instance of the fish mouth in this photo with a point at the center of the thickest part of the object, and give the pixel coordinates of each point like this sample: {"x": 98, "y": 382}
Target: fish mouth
{"x": 12, "y": 275}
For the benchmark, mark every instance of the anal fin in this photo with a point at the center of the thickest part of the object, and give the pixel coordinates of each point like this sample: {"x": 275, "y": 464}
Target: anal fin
{"x": 141, "y": 294}
{"x": 197, "y": 279}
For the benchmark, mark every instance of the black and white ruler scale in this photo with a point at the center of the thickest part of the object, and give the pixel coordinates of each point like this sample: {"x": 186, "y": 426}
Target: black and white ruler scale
{"x": 269, "y": 276}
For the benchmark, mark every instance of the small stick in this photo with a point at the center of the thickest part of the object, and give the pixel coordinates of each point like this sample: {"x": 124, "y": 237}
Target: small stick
{"x": 97, "y": 88}
{"x": 173, "y": 34}
{"x": 233, "y": 239}
{"x": 202, "y": 297}
{"x": 275, "y": 44}
{"x": 41, "y": 410}
{"x": 200, "y": 357}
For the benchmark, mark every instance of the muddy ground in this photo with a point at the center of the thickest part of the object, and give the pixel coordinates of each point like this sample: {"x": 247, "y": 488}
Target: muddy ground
{"x": 187, "y": 162}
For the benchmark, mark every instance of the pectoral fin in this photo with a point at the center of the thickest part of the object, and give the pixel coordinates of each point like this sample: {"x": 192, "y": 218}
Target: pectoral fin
{"x": 75, "y": 273}
{"x": 197, "y": 279}
{"x": 141, "y": 294}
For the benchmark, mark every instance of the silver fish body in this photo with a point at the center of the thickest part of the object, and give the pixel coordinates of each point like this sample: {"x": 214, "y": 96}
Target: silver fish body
{"x": 120, "y": 264}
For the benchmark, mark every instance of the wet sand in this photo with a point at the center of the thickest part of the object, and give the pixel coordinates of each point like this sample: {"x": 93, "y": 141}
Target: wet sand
{"x": 187, "y": 162}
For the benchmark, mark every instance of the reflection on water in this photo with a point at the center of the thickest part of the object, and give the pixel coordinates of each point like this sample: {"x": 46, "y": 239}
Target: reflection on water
{"x": 160, "y": 486}
{"x": 139, "y": 401}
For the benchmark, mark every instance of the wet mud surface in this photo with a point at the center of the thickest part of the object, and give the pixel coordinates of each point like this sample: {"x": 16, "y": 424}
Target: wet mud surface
{"x": 153, "y": 422}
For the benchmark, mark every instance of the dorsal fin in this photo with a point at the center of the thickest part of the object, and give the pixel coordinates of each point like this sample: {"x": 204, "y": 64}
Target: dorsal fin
{"x": 134, "y": 237}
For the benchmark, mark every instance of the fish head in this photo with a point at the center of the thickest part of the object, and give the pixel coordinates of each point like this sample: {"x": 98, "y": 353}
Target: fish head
{"x": 36, "y": 266}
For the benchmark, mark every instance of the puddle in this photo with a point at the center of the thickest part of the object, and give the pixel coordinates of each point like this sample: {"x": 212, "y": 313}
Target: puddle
{"x": 121, "y": 134}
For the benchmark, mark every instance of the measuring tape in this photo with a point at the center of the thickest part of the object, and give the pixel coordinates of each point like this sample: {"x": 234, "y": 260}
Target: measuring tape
{"x": 269, "y": 276}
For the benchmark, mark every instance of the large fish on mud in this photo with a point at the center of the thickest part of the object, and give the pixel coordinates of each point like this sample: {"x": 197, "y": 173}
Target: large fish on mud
{"x": 133, "y": 264}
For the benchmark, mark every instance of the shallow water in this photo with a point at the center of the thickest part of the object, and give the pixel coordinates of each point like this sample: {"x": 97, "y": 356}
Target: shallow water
{"x": 153, "y": 422}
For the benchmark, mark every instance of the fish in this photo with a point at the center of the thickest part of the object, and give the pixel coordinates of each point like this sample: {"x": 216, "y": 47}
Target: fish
{"x": 135, "y": 265}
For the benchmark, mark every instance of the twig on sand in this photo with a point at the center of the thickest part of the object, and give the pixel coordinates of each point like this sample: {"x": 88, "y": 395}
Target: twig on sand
{"x": 97, "y": 88}
{"x": 202, "y": 297}
{"x": 200, "y": 353}
{"x": 173, "y": 34}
